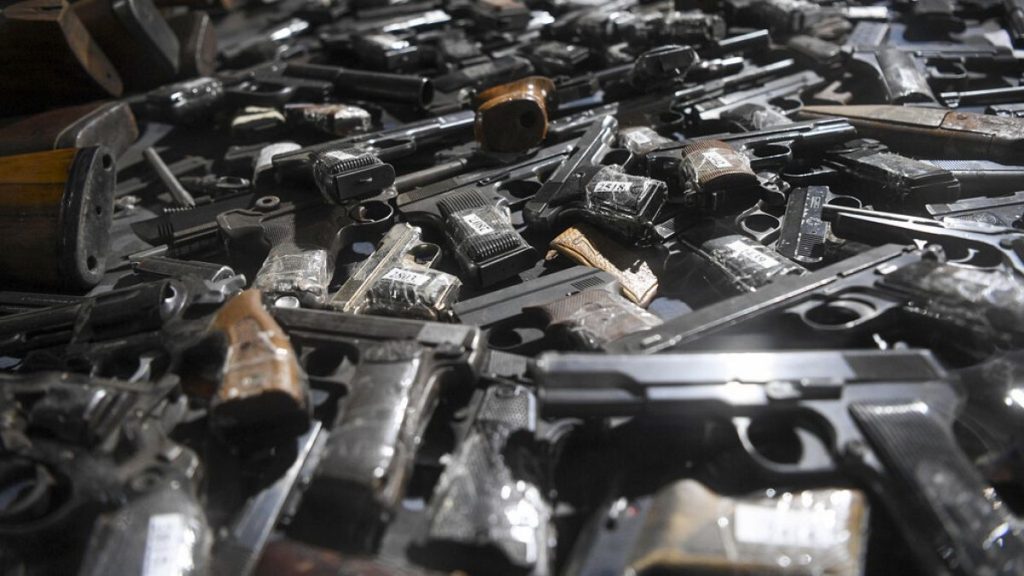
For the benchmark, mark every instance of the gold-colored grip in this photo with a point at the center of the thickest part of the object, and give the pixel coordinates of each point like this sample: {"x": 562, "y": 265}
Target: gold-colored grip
{"x": 584, "y": 244}
{"x": 263, "y": 392}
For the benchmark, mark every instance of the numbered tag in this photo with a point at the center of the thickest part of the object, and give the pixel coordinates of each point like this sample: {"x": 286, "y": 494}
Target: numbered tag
{"x": 787, "y": 527}
{"x": 477, "y": 224}
{"x": 168, "y": 546}
{"x": 752, "y": 254}
{"x": 612, "y": 186}
{"x": 406, "y": 277}
{"x": 717, "y": 159}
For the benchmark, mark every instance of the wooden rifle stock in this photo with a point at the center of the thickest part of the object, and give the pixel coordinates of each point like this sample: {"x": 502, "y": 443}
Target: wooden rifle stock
{"x": 50, "y": 58}
{"x": 55, "y": 213}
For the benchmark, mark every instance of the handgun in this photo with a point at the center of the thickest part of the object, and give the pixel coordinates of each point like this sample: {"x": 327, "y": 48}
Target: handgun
{"x": 290, "y": 240}
{"x": 489, "y": 511}
{"x": 890, "y": 181}
{"x": 931, "y": 132}
{"x": 367, "y": 460}
{"x": 58, "y": 206}
{"x": 398, "y": 280}
{"x": 890, "y": 291}
{"x": 883, "y": 418}
{"x": 92, "y": 469}
{"x": 474, "y": 212}
{"x": 807, "y": 238}
{"x": 718, "y": 173}
{"x": 1002, "y": 211}
{"x": 803, "y": 236}
{"x": 902, "y": 70}
{"x": 130, "y": 331}
{"x": 586, "y": 187}
{"x": 977, "y": 244}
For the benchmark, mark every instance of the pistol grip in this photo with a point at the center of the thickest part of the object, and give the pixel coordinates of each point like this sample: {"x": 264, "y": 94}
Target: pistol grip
{"x": 368, "y": 458}
{"x": 263, "y": 394}
{"x": 964, "y": 527}
{"x": 488, "y": 513}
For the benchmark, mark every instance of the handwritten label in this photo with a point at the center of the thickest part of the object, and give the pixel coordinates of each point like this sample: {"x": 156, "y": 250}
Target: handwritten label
{"x": 611, "y": 186}
{"x": 817, "y": 528}
{"x": 477, "y": 224}
{"x": 406, "y": 277}
{"x": 752, "y": 253}
{"x": 168, "y": 546}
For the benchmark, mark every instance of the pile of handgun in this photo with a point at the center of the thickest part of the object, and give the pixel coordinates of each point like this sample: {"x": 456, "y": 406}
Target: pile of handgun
{"x": 511, "y": 287}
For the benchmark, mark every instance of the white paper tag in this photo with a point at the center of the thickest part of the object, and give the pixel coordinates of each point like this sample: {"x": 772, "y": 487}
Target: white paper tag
{"x": 611, "y": 186}
{"x": 716, "y": 158}
{"x": 406, "y": 277}
{"x": 168, "y": 546}
{"x": 817, "y": 528}
{"x": 477, "y": 224}
{"x": 751, "y": 253}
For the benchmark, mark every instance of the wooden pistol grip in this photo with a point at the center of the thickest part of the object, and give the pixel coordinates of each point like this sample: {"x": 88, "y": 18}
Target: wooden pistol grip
{"x": 263, "y": 396}
{"x": 585, "y": 245}
{"x": 513, "y": 117}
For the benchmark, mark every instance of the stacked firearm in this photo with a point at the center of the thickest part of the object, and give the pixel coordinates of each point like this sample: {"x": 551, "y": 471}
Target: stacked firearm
{"x": 515, "y": 287}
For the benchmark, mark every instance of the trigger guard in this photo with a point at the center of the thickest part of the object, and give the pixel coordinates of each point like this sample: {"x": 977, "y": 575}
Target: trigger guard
{"x": 966, "y": 260}
{"x": 815, "y": 457}
{"x": 256, "y": 93}
{"x": 848, "y": 312}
